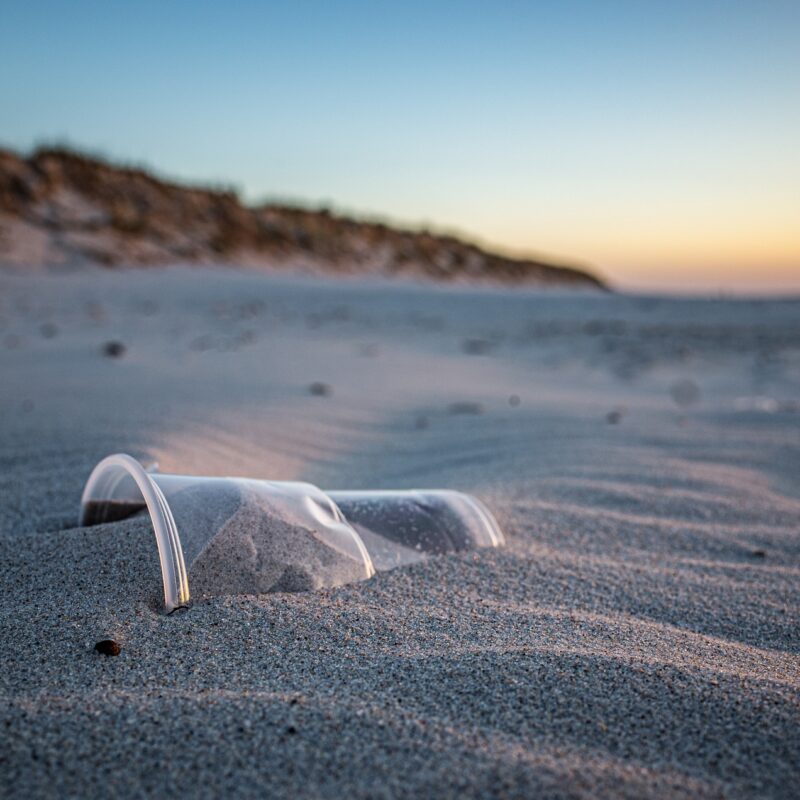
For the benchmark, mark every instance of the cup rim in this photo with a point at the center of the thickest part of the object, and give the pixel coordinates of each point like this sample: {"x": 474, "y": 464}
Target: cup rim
{"x": 111, "y": 470}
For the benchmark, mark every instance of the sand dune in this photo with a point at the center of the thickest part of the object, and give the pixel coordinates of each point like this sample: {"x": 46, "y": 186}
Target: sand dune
{"x": 61, "y": 209}
{"x": 638, "y": 635}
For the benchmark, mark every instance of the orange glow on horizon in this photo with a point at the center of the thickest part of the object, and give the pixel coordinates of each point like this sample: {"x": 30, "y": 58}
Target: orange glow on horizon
{"x": 735, "y": 254}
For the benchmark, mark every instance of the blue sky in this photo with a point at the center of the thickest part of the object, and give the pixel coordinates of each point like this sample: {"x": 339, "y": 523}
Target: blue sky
{"x": 656, "y": 141}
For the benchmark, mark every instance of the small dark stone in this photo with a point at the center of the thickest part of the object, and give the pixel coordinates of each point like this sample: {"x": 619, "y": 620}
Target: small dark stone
{"x": 95, "y": 311}
{"x": 48, "y": 330}
{"x": 514, "y": 400}
{"x": 202, "y": 343}
{"x": 148, "y": 307}
{"x": 594, "y": 327}
{"x": 476, "y": 347}
{"x": 369, "y": 350}
{"x": 108, "y": 647}
{"x": 758, "y": 554}
{"x": 291, "y": 730}
{"x": 465, "y": 407}
{"x": 685, "y": 392}
{"x": 319, "y": 389}
{"x": 114, "y": 349}
{"x": 613, "y": 417}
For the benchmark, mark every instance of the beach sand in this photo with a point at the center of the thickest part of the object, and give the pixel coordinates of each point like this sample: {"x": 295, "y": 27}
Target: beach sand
{"x": 638, "y": 635}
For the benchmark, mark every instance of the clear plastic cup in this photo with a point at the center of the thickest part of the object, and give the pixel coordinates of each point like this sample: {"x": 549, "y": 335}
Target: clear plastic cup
{"x": 245, "y": 536}
{"x": 401, "y": 527}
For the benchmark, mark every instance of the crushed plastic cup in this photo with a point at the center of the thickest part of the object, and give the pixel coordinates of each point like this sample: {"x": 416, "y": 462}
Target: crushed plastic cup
{"x": 247, "y": 536}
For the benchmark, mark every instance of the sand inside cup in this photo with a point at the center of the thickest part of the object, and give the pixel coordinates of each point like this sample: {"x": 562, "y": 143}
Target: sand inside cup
{"x": 261, "y": 543}
{"x": 260, "y": 546}
{"x": 401, "y": 528}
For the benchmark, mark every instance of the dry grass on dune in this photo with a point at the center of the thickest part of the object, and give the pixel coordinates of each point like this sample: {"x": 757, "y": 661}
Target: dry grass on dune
{"x": 89, "y": 211}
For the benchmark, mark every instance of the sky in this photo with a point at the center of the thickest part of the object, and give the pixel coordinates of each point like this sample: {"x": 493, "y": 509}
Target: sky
{"x": 657, "y": 142}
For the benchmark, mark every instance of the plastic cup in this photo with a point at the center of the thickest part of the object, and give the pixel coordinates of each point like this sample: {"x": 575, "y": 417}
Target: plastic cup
{"x": 245, "y": 536}
{"x": 401, "y": 527}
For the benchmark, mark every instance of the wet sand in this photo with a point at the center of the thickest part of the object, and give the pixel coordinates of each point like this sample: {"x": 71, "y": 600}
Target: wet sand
{"x": 639, "y": 635}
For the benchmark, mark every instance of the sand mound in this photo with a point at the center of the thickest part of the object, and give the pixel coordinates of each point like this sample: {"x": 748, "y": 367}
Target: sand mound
{"x": 259, "y": 550}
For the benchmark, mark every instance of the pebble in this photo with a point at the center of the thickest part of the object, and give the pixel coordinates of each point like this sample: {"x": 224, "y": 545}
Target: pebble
{"x": 685, "y": 392}
{"x": 319, "y": 389}
{"x": 465, "y": 407}
{"x": 476, "y": 347}
{"x": 114, "y": 349}
{"x": 108, "y": 647}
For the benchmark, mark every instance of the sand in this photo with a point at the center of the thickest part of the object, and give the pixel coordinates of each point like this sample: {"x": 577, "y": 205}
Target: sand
{"x": 267, "y": 544}
{"x": 638, "y": 635}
